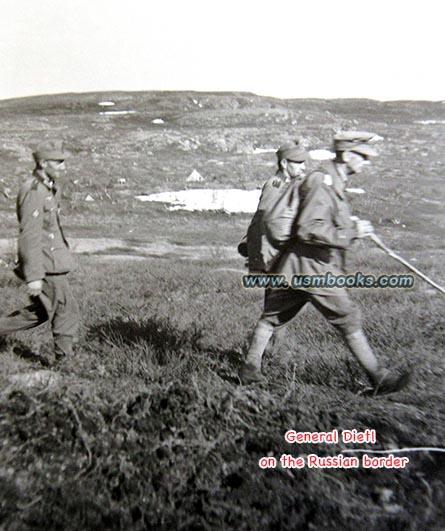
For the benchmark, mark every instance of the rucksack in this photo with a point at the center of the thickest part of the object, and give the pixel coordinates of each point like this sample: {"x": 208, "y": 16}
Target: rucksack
{"x": 279, "y": 220}
{"x": 270, "y": 230}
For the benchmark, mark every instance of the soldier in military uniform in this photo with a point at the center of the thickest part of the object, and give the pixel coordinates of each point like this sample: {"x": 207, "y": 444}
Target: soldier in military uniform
{"x": 256, "y": 246}
{"x": 322, "y": 233}
{"x": 44, "y": 259}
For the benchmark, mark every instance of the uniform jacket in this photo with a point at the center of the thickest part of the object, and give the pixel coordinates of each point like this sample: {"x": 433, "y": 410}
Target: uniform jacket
{"x": 323, "y": 227}
{"x": 42, "y": 247}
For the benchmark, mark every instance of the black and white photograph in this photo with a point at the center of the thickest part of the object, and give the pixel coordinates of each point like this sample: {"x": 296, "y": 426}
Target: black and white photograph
{"x": 221, "y": 266}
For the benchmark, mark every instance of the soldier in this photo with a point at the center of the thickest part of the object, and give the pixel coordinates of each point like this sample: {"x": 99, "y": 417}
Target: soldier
{"x": 256, "y": 245}
{"x": 44, "y": 259}
{"x": 322, "y": 233}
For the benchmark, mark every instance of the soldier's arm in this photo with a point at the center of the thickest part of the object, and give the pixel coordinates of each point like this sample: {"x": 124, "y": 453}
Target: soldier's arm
{"x": 314, "y": 223}
{"x": 30, "y": 213}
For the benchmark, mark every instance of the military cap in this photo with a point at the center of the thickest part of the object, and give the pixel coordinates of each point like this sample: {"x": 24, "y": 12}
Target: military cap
{"x": 293, "y": 151}
{"x": 50, "y": 150}
{"x": 356, "y": 141}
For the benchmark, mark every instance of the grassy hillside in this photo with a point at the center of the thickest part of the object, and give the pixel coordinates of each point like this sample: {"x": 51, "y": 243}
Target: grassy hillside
{"x": 148, "y": 427}
{"x": 217, "y": 135}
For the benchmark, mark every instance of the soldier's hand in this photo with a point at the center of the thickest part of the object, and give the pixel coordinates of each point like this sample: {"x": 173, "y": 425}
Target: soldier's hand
{"x": 364, "y": 228}
{"x": 34, "y": 288}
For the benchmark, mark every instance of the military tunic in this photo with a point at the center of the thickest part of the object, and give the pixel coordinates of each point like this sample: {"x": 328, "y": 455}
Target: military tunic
{"x": 42, "y": 247}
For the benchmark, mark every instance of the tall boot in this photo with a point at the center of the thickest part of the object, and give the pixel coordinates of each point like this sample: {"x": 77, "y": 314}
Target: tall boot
{"x": 359, "y": 346}
{"x": 383, "y": 381}
{"x": 251, "y": 370}
{"x": 63, "y": 347}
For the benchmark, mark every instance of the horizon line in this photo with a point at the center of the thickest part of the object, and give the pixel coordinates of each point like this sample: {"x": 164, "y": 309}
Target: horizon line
{"x": 215, "y": 92}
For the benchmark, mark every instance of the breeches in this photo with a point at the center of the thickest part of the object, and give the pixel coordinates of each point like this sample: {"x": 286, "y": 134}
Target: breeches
{"x": 282, "y": 305}
{"x": 55, "y": 304}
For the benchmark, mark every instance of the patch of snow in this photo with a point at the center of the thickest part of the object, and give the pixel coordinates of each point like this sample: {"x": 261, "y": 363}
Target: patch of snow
{"x": 107, "y": 103}
{"x": 431, "y": 201}
{"x": 116, "y": 112}
{"x": 315, "y": 154}
{"x": 158, "y": 121}
{"x": 429, "y": 122}
{"x": 89, "y": 198}
{"x": 228, "y": 200}
{"x": 355, "y": 190}
{"x": 258, "y": 151}
{"x": 321, "y": 154}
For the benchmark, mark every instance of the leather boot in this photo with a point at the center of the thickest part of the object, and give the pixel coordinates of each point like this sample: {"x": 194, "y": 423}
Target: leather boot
{"x": 385, "y": 382}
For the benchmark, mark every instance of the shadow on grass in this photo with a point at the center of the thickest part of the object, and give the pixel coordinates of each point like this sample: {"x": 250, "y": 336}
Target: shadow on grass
{"x": 3, "y": 343}
{"x": 167, "y": 341}
{"x": 23, "y": 351}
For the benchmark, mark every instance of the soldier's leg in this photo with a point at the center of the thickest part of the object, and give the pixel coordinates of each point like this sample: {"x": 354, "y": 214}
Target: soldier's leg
{"x": 342, "y": 313}
{"x": 383, "y": 380}
{"x": 274, "y": 341}
{"x": 65, "y": 320}
{"x": 345, "y": 315}
{"x": 360, "y": 348}
{"x": 258, "y": 343}
{"x": 280, "y": 306}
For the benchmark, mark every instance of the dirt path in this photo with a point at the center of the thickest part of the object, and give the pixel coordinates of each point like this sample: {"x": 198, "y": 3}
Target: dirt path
{"x": 130, "y": 249}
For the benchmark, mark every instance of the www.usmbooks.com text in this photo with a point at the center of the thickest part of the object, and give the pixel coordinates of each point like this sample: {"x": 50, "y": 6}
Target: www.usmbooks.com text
{"x": 329, "y": 280}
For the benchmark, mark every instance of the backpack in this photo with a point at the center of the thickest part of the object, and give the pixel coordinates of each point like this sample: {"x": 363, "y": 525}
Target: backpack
{"x": 270, "y": 230}
{"x": 279, "y": 220}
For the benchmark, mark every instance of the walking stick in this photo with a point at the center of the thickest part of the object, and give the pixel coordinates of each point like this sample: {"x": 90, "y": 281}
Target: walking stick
{"x": 391, "y": 253}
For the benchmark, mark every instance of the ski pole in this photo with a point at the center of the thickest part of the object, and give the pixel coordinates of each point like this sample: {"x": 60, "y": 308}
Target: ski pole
{"x": 394, "y": 255}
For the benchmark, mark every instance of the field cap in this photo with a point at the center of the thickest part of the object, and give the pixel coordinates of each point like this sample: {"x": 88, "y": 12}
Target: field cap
{"x": 293, "y": 152}
{"x": 356, "y": 141}
{"x": 50, "y": 150}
